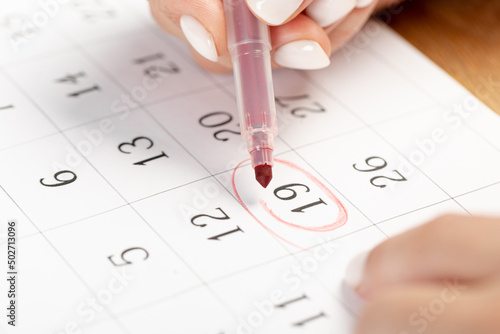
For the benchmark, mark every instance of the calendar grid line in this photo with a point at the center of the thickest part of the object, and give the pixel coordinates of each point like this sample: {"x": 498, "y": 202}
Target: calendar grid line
{"x": 153, "y": 303}
{"x": 110, "y": 313}
{"x": 431, "y": 96}
{"x": 183, "y": 52}
{"x": 209, "y": 282}
{"x": 198, "y": 276}
{"x": 84, "y": 53}
{"x": 414, "y": 211}
{"x": 373, "y": 130}
{"x": 304, "y": 75}
{"x": 220, "y": 173}
{"x": 318, "y": 174}
{"x": 332, "y": 295}
{"x": 338, "y": 135}
{"x": 179, "y": 95}
{"x": 55, "y": 133}
{"x": 337, "y": 190}
{"x": 66, "y": 224}
{"x": 245, "y": 270}
{"x": 478, "y": 189}
{"x": 218, "y": 279}
{"x": 14, "y": 83}
{"x": 331, "y": 185}
{"x": 174, "y": 251}
{"x": 421, "y": 171}
{"x": 130, "y": 110}
{"x": 179, "y": 277}
{"x": 315, "y": 276}
{"x": 57, "y": 51}
{"x": 34, "y": 58}
{"x": 405, "y": 115}
{"x": 20, "y": 208}
{"x": 480, "y": 135}
{"x": 66, "y": 262}
{"x": 292, "y": 149}
{"x": 223, "y": 88}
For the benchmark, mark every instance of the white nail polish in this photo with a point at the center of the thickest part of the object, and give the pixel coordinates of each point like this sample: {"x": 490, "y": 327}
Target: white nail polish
{"x": 199, "y": 38}
{"x": 363, "y": 3}
{"x": 326, "y": 12}
{"x": 355, "y": 270}
{"x": 274, "y": 12}
{"x": 302, "y": 55}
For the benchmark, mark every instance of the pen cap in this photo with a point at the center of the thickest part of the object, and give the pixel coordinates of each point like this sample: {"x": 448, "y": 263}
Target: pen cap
{"x": 248, "y": 42}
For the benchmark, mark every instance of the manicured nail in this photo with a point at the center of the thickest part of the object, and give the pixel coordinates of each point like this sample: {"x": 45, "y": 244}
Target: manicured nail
{"x": 363, "y": 3}
{"x": 355, "y": 270}
{"x": 274, "y": 12}
{"x": 302, "y": 55}
{"x": 199, "y": 38}
{"x": 326, "y": 12}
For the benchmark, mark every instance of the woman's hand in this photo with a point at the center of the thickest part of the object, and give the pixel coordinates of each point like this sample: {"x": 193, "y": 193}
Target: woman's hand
{"x": 303, "y": 32}
{"x": 443, "y": 277}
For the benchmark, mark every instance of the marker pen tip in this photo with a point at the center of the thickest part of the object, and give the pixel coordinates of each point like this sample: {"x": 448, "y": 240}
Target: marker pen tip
{"x": 263, "y": 174}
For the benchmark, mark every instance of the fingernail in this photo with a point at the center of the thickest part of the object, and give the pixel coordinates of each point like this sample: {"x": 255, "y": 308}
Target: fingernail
{"x": 326, "y": 12}
{"x": 274, "y": 12}
{"x": 302, "y": 55}
{"x": 199, "y": 38}
{"x": 355, "y": 270}
{"x": 363, "y": 3}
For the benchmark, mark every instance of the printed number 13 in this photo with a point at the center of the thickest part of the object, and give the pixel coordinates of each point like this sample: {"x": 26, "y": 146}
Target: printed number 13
{"x": 134, "y": 143}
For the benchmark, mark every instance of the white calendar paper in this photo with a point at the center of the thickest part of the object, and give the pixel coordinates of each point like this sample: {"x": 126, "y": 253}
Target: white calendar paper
{"x": 134, "y": 205}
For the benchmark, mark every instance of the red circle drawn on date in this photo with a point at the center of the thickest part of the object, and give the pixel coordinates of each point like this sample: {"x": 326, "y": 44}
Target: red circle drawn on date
{"x": 340, "y": 220}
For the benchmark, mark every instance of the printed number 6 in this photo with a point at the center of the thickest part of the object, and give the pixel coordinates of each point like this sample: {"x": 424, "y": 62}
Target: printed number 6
{"x": 61, "y": 181}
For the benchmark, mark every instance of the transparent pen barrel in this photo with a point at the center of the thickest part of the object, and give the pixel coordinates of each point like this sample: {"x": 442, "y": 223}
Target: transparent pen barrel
{"x": 250, "y": 52}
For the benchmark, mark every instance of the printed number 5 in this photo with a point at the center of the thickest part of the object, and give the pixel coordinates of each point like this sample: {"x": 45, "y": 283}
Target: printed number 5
{"x": 125, "y": 252}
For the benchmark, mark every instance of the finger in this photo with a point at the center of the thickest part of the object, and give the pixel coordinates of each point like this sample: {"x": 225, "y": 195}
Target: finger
{"x": 386, "y": 3}
{"x": 277, "y": 12}
{"x": 433, "y": 309}
{"x": 451, "y": 246}
{"x": 300, "y": 44}
{"x": 223, "y": 65}
{"x": 328, "y": 12}
{"x": 342, "y": 31}
{"x": 199, "y": 23}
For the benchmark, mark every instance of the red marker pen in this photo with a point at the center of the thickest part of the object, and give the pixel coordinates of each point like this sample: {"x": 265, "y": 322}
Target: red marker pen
{"x": 248, "y": 42}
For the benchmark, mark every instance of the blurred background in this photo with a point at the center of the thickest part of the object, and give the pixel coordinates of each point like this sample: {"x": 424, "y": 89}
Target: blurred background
{"x": 461, "y": 36}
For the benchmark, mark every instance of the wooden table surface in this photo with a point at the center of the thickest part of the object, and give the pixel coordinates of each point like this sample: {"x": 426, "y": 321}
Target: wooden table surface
{"x": 461, "y": 36}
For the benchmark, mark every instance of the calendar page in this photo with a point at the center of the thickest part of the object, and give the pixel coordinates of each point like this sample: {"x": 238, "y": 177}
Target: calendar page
{"x": 128, "y": 204}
